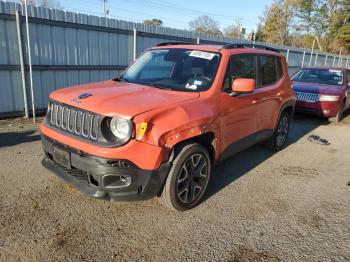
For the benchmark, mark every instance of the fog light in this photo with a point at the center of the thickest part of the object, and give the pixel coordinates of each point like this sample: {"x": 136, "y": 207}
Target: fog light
{"x": 325, "y": 111}
{"x": 111, "y": 181}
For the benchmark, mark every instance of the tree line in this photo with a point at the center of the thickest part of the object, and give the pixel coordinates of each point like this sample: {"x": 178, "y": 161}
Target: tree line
{"x": 319, "y": 24}
{"x": 324, "y": 24}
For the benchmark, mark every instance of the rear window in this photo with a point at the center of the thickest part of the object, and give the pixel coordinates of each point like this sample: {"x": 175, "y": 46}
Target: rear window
{"x": 320, "y": 76}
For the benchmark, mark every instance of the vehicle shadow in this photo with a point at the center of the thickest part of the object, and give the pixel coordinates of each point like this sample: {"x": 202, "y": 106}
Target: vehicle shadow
{"x": 233, "y": 168}
{"x": 13, "y": 138}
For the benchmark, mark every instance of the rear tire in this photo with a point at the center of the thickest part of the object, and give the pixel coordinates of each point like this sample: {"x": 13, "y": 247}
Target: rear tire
{"x": 278, "y": 140}
{"x": 188, "y": 178}
{"x": 340, "y": 114}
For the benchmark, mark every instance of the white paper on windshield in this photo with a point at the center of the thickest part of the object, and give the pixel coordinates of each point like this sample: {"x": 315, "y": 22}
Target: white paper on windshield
{"x": 202, "y": 54}
{"x": 337, "y": 72}
{"x": 192, "y": 87}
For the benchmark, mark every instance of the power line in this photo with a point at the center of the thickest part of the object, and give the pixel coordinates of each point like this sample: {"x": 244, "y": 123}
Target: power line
{"x": 173, "y": 6}
{"x": 147, "y": 15}
{"x": 152, "y": 4}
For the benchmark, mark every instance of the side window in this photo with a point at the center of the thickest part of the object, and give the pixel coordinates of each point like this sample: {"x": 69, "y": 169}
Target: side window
{"x": 267, "y": 70}
{"x": 240, "y": 66}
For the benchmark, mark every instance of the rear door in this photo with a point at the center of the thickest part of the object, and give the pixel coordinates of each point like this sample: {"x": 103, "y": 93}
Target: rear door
{"x": 269, "y": 90}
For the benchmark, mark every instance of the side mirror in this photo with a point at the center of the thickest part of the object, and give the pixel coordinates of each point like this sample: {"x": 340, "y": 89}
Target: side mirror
{"x": 242, "y": 85}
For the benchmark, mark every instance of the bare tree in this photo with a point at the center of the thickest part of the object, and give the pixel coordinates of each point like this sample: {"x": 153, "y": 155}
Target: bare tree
{"x": 205, "y": 24}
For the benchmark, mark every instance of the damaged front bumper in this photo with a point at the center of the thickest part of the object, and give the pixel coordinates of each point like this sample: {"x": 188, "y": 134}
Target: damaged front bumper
{"x": 108, "y": 179}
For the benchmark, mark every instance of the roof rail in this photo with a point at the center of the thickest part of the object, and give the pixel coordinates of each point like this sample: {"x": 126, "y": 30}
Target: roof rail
{"x": 175, "y": 43}
{"x": 242, "y": 45}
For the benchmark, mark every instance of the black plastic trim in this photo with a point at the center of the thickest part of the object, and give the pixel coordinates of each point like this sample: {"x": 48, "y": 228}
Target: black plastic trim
{"x": 249, "y": 45}
{"x": 145, "y": 183}
{"x": 245, "y": 143}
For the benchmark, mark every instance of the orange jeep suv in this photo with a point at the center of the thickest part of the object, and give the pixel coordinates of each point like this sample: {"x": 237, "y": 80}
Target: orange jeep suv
{"x": 158, "y": 129}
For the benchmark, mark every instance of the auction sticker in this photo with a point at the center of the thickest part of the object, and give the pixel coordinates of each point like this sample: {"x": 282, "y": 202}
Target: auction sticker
{"x": 192, "y": 87}
{"x": 337, "y": 72}
{"x": 202, "y": 54}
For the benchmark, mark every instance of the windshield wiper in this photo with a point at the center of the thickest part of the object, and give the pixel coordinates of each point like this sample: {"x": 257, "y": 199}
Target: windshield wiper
{"x": 121, "y": 79}
{"x": 156, "y": 86}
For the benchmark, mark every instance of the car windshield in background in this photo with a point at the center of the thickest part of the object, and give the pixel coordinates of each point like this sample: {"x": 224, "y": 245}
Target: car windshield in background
{"x": 320, "y": 76}
{"x": 174, "y": 69}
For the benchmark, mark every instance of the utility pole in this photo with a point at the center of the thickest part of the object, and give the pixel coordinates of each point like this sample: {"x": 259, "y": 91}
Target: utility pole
{"x": 105, "y": 8}
{"x": 340, "y": 58}
{"x": 239, "y": 26}
{"x": 29, "y": 59}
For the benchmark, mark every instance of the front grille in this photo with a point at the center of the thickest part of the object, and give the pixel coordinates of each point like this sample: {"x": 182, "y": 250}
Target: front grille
{"x": 307, "y": 97}
{"x": 74, "y": 121}
{"x": 78, "y": 174}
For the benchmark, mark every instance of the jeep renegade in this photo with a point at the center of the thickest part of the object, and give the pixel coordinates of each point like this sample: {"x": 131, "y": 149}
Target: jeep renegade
{"x": 158, "y": 129}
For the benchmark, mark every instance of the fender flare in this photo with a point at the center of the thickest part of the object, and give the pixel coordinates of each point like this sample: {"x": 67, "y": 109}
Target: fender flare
{"x": 289, "y": 103}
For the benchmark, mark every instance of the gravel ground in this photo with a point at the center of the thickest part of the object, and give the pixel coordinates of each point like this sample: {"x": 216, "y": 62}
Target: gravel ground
{"x": 289, "y": 206}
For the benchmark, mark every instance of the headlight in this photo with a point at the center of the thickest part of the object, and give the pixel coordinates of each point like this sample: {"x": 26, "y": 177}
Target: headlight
{"x": 121, "y": 128}
{"x": 328, "y": 98}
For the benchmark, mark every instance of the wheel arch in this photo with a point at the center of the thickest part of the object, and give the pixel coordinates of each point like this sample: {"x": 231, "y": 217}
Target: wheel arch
{"x": 207, "y": 140}
{"x": 288, "y": 107}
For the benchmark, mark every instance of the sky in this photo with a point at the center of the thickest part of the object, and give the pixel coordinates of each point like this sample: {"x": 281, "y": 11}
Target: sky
{"x": 176, "y": 14}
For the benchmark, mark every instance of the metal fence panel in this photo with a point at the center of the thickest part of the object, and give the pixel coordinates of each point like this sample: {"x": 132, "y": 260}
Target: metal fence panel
{"x": 71, "y": 48}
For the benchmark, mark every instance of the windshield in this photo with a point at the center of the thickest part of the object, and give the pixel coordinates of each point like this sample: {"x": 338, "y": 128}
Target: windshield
{"x": 174, "y": 69}
{"x": 320, "y": 76}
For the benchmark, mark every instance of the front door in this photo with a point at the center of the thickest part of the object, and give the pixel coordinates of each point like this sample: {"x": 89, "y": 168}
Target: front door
{"x": 239, "y": 114}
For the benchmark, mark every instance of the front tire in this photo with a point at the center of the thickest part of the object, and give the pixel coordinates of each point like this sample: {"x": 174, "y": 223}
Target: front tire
{"x": 279, "y": 138}
{"x": 188, "y": 178}
{"x": 340, "y": 114}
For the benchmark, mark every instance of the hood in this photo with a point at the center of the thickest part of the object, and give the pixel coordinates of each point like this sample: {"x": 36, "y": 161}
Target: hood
{"x": 317, "y": 88}
{"x": 112, "y": 98}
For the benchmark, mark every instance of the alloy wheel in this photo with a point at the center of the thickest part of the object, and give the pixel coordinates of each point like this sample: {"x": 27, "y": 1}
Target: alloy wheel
{"x": 282, "y": 131}
{"x": 192, "y": 178}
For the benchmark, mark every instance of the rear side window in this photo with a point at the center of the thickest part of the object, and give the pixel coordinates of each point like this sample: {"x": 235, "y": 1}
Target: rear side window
{"x": 240, "y": 66}
{"x": 267, "y": 70}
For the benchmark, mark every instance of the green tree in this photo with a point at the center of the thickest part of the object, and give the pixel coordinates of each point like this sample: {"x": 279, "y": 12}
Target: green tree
{"x": 205, "y": 24}
{"x": 153, "y": 21}
{"x": 259, "y": 36}
{"x": 338, "y": 35}
{"x": 305, "y": 13}
{"x": 344, "y": 21}
{"x": 278, "y": 21}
